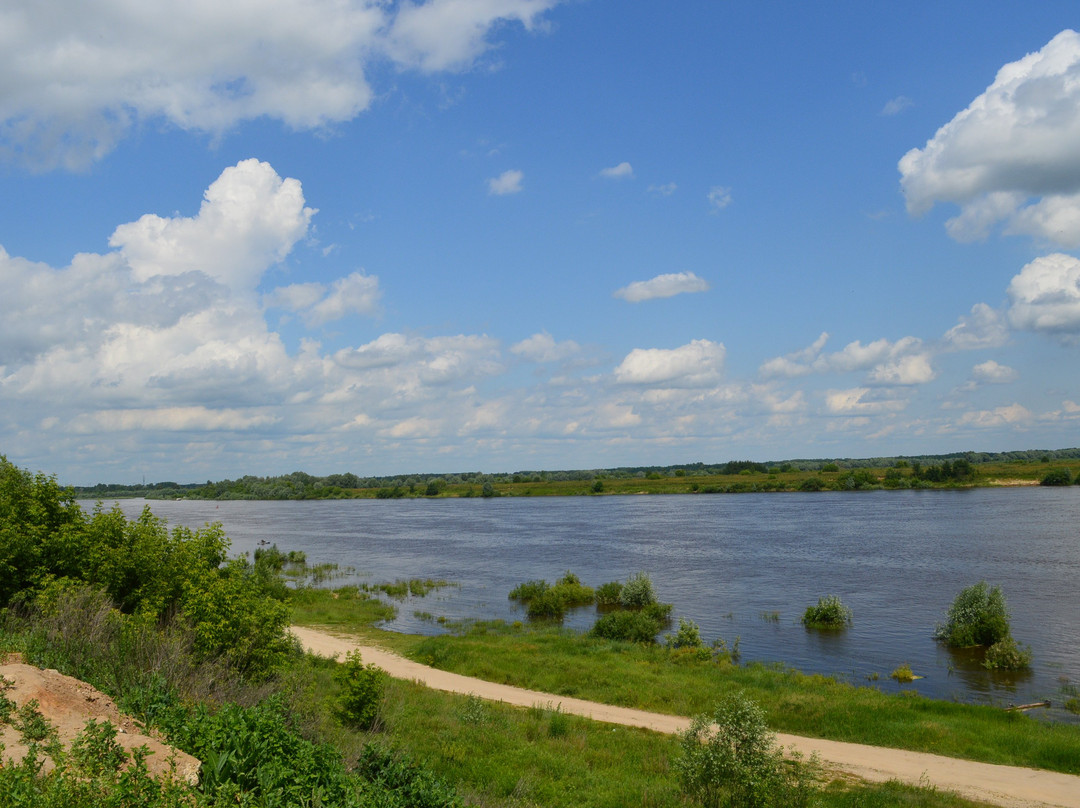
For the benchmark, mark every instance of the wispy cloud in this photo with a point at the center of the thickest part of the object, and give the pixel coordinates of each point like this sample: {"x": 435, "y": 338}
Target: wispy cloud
{"x": 668, "y": 285}
{"x": 623, "y": 171}
{"x": 509, "y": 182}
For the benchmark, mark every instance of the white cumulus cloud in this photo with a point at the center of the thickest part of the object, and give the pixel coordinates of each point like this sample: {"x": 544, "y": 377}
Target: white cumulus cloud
{"x": 697, "y": 364}
{"x": 76, "y": 77}
{"x": 993, "y": 373}
{"x": 250, "y": 219}
{"x": 509, "y": 182}
{"x": 667, "y": 285}
{"x": 1045, "y": 297}
{"x": 1018, "y": 141}
{"x": 542, "y": 347}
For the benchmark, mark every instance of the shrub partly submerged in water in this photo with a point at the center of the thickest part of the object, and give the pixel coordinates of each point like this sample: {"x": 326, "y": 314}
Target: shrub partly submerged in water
{"x": 978, "y": 616}
{"x": 830, "y": 612}
{"x": 1007, "y": 655}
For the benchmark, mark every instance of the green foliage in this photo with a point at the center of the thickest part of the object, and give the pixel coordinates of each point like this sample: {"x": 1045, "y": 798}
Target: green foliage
{"x": 978, "y": 616}
{"x": 551, "y": 602}
{"x": 362, "y": 689}
{"x": 1006, "y": 655}
{"x": 144, "y": 569}
{"x": 637, "y": 592}
{"x": 404, "y": 783}
{"x": 830, "y": 468}
{"x": 488, "y": 490}
{"x": 1056, "y": 477}
{"x": 730, "y": 758}
{"x": 903, "y": 674}
{"x": 527, "y": 591}
{"x": 688, "y": 635}
{"x": 608, "y": 595}
{"x": 829, "y": 613}
{"x": 812, "y": 484}
{"x": 637, "y": 625}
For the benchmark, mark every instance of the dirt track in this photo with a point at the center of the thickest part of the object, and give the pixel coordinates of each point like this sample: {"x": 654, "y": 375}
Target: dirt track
{"x": 999, "y": 785}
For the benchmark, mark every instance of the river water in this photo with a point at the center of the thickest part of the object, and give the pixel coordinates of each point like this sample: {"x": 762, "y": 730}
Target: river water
{"x": 744, "y": 565}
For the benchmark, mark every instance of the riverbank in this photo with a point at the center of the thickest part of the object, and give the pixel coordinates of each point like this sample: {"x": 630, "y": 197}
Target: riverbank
{"x": 569, "y": 664}
{"x": 993, "y": 784}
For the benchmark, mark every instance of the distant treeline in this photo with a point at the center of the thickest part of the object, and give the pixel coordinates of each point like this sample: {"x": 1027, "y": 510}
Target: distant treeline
{"x": 300, "y": 485}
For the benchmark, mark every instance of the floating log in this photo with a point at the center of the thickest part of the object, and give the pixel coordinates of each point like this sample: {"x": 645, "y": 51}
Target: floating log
{"x": 1031, "y": 706}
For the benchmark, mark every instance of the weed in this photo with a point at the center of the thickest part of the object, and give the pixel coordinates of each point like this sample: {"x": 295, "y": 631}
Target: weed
{"x": 1006, "y": 655}
{"x": 903, "y": 674}
{"x": 830, "y": 613}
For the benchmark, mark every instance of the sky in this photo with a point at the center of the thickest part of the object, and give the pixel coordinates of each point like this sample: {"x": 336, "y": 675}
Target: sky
{"x": 389, "y": 237}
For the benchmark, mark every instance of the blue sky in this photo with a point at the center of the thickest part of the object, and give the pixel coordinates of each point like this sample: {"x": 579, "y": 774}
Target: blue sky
{"x": 382, "y": 237}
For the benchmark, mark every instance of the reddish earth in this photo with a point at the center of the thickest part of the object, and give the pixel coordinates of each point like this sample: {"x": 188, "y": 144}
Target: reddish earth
{"x": 69, "y": 703}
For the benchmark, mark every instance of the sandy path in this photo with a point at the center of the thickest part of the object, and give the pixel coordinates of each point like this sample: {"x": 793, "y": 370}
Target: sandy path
{"x": 1000, "y": 785}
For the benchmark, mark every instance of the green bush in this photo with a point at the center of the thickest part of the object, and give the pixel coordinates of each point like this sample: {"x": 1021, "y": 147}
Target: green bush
{"x": 812, "y": 484}
{"x": 630, "y": 626}
{"x": 688, "y": 635}
{"x": 829, "y": 613}
{"x": 1056, "y": 477}
{"x": 978, "y": 616}
{"x": 361, "y": 694}
{"x": 608, "y": 595}
{"x": 528, "y": 590}
{"x": 637, "y": 592}
{"x": 730, "y": 758}
{"x": 1006, "y": 655}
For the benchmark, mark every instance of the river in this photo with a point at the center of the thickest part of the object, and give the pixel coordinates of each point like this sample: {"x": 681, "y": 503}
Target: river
{"x": 744, "y": 565}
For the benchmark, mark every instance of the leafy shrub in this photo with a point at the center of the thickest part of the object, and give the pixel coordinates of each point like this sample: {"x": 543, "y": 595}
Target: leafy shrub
{"x": 637, "y": 592}
{"x": 829, "y": 613}
{"x": 688, "y": 635}
{"x": 361, "y": 691}
{"x": 903, "y": 674}
{"x": 403, "y": 782}
{"x": 1056, "y": 477}
{"x": 608, "y": 595}
{"x": 812, "y": 484}
{"x": 731, "y": 759}
{"x": 630, "y": 626}
{"x": 978, "y": 616}
{"x": 528, "y": 590}
{"x": 1006, "y": 655}
{"x": 551, "y": 602}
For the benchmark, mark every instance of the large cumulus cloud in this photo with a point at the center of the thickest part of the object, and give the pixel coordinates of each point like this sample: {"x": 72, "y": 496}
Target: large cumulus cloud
{"x": 76, "y": 76}
{"x": 1013, "y": 155}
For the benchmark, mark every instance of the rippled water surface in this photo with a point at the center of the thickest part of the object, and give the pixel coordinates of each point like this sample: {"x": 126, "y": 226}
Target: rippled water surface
{"x": 728, "y": 562}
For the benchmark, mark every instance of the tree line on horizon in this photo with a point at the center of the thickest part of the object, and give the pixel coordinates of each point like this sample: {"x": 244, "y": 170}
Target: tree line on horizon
{"x": 301, "y": 485}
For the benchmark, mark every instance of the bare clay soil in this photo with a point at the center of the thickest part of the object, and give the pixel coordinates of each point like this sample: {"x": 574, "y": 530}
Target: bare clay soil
{"x": 69, "y": 703}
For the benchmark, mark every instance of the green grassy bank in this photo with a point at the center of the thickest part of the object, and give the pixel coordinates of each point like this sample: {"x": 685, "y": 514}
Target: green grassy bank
{"x": 650, "y": 677}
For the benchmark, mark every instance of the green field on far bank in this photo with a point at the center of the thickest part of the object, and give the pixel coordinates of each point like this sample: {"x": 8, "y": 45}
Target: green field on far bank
{"x": 960, "y": 470}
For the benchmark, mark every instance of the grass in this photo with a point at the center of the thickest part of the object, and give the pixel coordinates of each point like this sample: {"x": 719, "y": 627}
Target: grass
{"x": 503, "y": 756}
{"x": 567, "y": 663}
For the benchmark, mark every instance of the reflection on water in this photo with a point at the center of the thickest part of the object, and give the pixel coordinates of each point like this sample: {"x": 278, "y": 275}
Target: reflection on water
{"x": 896, "y": 558}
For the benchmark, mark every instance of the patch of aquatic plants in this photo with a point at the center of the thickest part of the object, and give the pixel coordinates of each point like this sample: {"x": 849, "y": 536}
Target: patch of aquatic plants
{"x": 401, "y": 589}
{"x": 903, "y": 674}
{"x": 552, "y": 602}
{"x": 1007, "y": 655}
{"x": 829, "y": 613}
